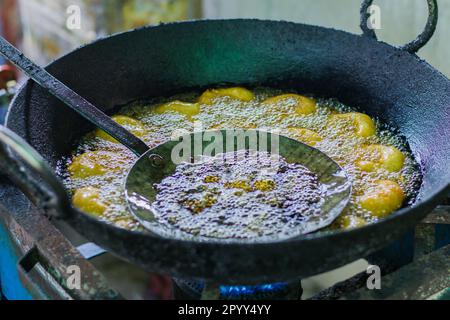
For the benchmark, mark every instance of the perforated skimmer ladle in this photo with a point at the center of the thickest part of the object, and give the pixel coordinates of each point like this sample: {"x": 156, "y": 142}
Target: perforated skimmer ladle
{"x": 156, "y": 164}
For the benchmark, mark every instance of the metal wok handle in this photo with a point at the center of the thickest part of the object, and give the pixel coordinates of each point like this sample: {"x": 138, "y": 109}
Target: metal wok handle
{"x": 414, "y": 45}
{"x": 31, "y": 173}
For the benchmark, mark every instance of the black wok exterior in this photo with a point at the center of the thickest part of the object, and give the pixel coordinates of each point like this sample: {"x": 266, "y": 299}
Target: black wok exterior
{"x": 376, "y": 78}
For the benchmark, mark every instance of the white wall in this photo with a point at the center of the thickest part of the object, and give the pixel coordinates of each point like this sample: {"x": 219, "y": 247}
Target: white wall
{"x": 402, "y": 20}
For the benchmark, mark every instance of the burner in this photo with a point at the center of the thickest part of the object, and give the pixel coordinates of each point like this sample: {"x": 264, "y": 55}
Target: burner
{"x": 194, "y": 290}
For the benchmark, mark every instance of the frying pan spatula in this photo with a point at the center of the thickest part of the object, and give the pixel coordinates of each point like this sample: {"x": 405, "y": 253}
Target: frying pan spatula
{"x": 155, "y": 164}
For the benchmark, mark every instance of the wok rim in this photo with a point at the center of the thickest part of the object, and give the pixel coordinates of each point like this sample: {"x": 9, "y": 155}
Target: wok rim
{"x": 422, "y": 205}
{"x": 419, "y": 204}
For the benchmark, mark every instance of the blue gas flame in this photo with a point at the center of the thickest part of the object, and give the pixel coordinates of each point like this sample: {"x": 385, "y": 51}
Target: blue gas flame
{"x": 239, "y": 291}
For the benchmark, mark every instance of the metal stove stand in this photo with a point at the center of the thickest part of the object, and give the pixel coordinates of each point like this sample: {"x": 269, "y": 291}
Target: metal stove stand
{"x": 35, "y": 254}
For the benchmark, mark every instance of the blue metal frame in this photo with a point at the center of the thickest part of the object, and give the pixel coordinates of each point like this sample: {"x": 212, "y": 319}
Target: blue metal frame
{"x": 11, "y": 286}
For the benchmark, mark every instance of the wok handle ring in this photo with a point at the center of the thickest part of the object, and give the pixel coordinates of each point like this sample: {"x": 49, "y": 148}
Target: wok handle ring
{"x": 30, "y": 172}
{"x": 414, "y": 45}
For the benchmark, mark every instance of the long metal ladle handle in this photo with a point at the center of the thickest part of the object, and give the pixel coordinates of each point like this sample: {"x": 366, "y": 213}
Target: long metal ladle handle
{"x": 72, "y": 99}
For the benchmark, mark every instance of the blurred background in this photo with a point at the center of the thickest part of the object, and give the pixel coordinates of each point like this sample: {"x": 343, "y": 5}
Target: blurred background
{"x": 40, "y": 26}
{"x": 47, "y": 29}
